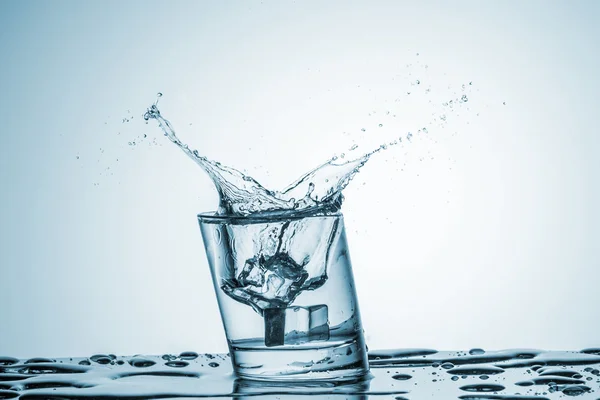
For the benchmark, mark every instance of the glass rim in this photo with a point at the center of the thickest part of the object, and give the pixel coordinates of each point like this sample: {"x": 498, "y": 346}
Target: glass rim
{"x": 213, "y": 217}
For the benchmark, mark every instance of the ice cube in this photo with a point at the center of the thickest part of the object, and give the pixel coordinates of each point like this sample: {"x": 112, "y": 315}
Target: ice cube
{"x": 253, "y": 272}
{"x": 274, "y": 326}
{"x": 267, "y": 282}
{"x": 306, "y": 324}
{"x": 295, "y": 325}
{"x": 318, "y": 325}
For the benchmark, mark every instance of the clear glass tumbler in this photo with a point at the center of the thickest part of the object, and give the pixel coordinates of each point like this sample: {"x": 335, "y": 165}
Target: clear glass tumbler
{"x": 286, "y": 294}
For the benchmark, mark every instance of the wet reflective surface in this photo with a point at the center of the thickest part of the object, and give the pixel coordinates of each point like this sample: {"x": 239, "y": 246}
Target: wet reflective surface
{"x": 395, "y": 374}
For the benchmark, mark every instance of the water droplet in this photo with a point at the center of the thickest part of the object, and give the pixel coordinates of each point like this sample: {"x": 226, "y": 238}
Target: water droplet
{"x": 177, "y": 364}
{"x": 363, "y": 129}
{"x": 503, "y": 103}
{"x": 78, "y": 157}
{"x": 576, "y": 390}
{"x": 8, "y": 394}
{"x": 159, "y": 94}
{"x": 217, "y": 234}
{"x": 464, "y": 98}
{"x": 418, "y": 82}
{"x": 141, "y": 362}
{"x": 85, "y": 362}
{"x": 38, "y": 360}
{"x": 482, "y": 388}
{"x": 476, "y": 352}
{"x": 8, "y": 360}
{"x": 354, "y": 147}
{"x": 454, "y": 378}
{"x": 191, "y": 355}
{"x": 402, "y": 377}
{"x": 380, "y": 125}
{"x": 101, "y": 359}
{"x": 168, "y": 357}
{"x": 213, "y": 364}
{"x": 484, "y": 377}
{"x": 447, "y": 365}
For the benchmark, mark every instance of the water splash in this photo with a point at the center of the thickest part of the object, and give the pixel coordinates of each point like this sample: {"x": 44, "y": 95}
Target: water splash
{"x": 318, "y": 192}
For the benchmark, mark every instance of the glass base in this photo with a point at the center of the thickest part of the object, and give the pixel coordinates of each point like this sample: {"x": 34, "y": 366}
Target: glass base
{"x": 332, "y": 360}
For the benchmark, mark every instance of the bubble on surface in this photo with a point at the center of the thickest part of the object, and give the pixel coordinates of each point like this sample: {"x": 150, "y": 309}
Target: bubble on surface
{"x": 213, "y": 364}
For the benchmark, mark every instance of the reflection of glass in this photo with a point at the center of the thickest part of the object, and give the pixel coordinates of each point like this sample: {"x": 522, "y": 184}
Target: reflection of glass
{"x": 286, "y": 294}
{"x": 245, "y": 389}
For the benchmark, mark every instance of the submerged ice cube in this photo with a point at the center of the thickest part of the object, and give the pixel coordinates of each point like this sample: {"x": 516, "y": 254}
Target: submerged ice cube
{"x": 296, "y": 325}
{"x": 267, "y": 282}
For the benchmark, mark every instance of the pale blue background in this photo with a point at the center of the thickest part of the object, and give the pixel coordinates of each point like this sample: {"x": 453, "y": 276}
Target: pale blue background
{"x": 488, "y": 237}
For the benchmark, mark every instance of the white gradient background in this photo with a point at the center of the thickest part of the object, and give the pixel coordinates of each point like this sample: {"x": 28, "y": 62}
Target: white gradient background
{"x": 491, "y": 240}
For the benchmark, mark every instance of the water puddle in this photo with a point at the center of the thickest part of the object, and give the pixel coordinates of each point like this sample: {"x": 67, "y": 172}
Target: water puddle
{"x": 395, "y": 374}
